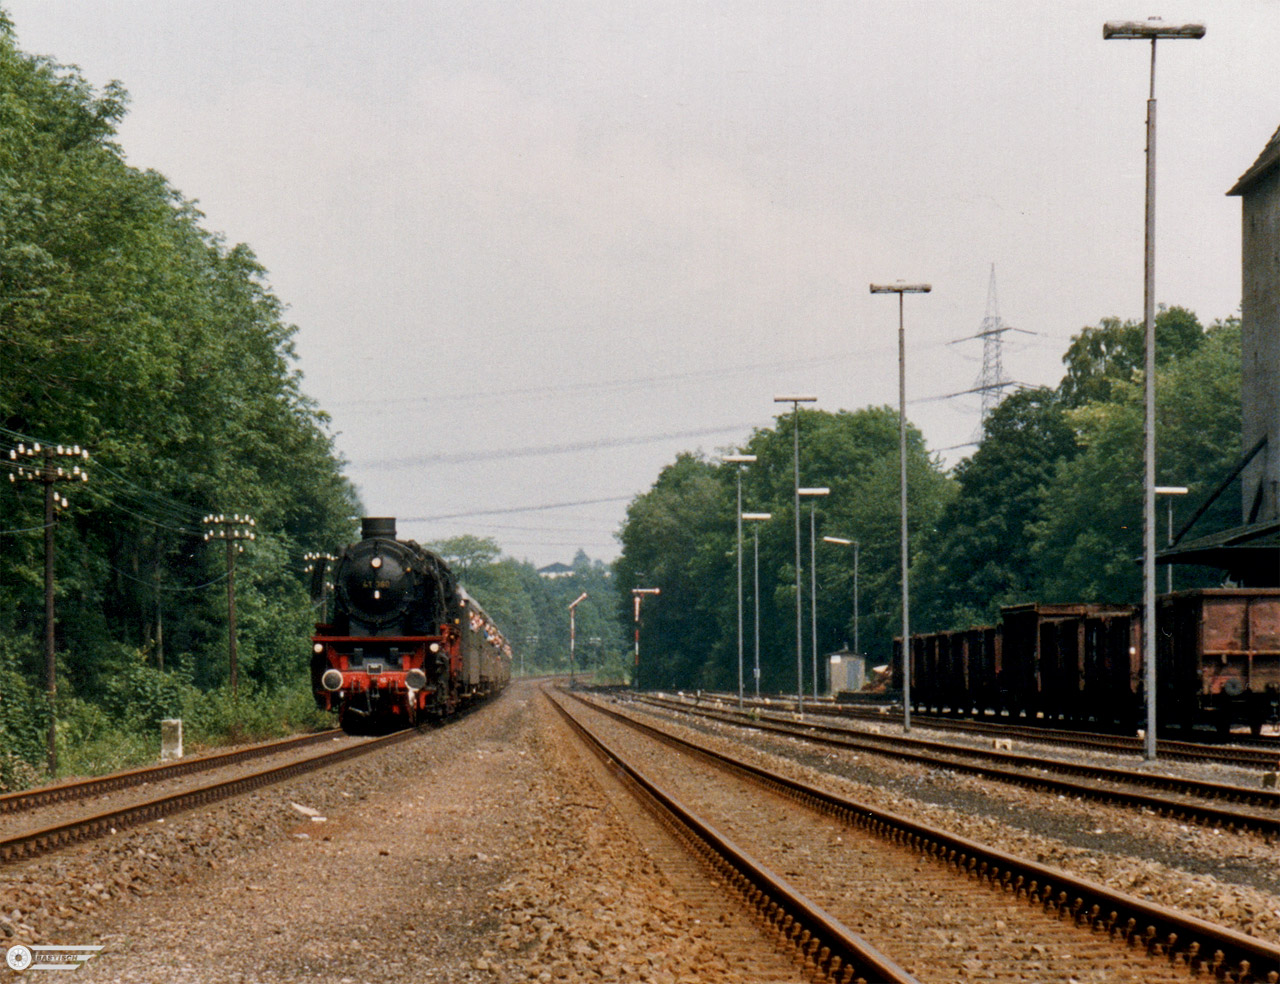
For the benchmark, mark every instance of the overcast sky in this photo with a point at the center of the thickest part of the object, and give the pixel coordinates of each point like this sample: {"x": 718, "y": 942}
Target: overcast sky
{"x": 534, "y": 249}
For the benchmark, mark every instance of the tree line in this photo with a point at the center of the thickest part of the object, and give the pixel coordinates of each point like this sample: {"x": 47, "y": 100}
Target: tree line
{"x": 130, "y": 330}
{"x": 533, "y": 611}
{"x": 1048, "y": 508}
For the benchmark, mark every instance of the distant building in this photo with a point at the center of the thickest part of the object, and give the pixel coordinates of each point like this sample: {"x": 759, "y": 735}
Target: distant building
{"x": 847, "y": 671}
{"x": 553, "y": 571}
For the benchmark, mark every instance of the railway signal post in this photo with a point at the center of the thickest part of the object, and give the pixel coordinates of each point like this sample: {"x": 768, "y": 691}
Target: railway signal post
{"x": 234, "y": 530}
{"x": 1151, "y": 30}
{"x": 573, "y": 632}
{"x": 638, "y": 594}
{"x": 43, "y": 465}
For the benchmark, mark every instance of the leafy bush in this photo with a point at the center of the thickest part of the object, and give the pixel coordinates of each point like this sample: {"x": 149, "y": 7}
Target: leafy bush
{"x": 24, "y": 723}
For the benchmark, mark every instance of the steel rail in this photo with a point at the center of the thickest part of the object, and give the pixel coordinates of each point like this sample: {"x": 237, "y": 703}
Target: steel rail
{"x": 1164, "y": 932}
{"x": 831, "y": 946}
{"x": 34, "y": 843}
{"x": 78, "y": 789}
{"x": 943, "y": 755}
{"x": 1263, "y": 753}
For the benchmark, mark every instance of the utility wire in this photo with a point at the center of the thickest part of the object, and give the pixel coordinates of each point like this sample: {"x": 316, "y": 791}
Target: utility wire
{"x": 156, "y": 587}
{"x": 516, "y": 509}
{"x": 469, "y": 457}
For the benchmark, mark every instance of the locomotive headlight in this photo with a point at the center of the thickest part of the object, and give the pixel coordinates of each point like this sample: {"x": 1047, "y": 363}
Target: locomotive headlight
{"x": 435, "y": 647}
{"x": 375, "y": 563}
{"x": 318, "y": 647}
{"x": 415, "y": 679}
{"x": 331, "y": 680}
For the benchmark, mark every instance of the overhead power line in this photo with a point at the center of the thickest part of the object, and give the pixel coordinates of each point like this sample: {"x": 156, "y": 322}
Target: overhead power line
{"x": 515, "y": 509}
{"x": 470, "y": 457}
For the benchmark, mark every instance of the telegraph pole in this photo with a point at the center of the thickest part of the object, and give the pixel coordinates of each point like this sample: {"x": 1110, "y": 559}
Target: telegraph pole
{"x": 233, "y": 529}
{"x": 41, "y": 464}
{"x": 317, "y": 567}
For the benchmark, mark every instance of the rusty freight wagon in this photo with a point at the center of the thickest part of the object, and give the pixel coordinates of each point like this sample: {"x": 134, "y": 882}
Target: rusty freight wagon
{"x": 1081, "y": 665}
{"x": 1218, "y": 657}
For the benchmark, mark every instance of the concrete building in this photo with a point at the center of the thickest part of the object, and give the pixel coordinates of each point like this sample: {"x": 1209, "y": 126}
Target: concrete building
{"x": 1259, "y": 192}
{"x": 1250, "y": 553}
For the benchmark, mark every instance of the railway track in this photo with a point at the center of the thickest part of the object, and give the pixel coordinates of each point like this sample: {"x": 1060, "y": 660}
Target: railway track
{"x": 1244, "y": 752}
{"x": 941, "y": 907}
{"x": 1241, "y": 808}
{"x": 18, "y": 845}
{"x": 81, "y": 789}
{"x": 820, "y": 941}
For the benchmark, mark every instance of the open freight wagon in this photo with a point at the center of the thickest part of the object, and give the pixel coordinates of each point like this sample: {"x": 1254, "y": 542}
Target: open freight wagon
{"x": 1218, "y": 663}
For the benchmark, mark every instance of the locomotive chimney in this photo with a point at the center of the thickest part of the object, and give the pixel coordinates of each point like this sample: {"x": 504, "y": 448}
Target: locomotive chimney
{"x": 383, "y": 527}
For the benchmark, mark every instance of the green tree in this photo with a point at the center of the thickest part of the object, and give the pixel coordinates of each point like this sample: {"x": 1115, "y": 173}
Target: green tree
{"x": 470, "y": 558}
{"x": 127, "y": 328}
{"x": 1089, "y": 538}
{"x": 1112, "y": 353}
{"x": 979, "y": 559}
{"x": 680, "y": 536}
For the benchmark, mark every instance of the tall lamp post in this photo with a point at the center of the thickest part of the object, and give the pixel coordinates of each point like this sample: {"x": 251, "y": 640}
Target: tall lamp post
{"x": 857, "y": 648}
{"x": 573, "y": 632}
{"x": 1170, "y": 491}
{"x": 741, "y": 460}
{"x": 1152, "y": 30}
{"x": 638, "y": 595}
{"x": 755, "y": 519}
{"x": 813, "y": 494}
{"x": 795, "y": 402}
{"x": 901, "y": 288}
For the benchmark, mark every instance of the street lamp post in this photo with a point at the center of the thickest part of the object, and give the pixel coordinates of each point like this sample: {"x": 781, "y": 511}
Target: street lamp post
{"x": 638, "y": 594}
{"x": 740, "y": 460}
{"x": 857, "y": 649}
{"x": 1170, "y": 491}
{"x": 813, "y": 579}
{"x": 573, "y": 632}
{"x": 1152, "y": 30}
{"x": 901, "y": 288}
{"x": 795, "y": 402}
{"x": 755, "y": 519}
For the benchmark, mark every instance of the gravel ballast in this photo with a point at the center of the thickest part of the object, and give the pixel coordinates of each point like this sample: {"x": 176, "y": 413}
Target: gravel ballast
{"x": 478, "y": 852}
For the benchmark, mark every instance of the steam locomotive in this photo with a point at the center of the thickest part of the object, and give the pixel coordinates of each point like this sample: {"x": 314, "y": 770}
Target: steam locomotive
{"x": 406, "y": 644}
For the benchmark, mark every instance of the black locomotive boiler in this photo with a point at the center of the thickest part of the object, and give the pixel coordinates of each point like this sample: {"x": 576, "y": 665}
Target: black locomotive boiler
{"x": 406, "y": 643}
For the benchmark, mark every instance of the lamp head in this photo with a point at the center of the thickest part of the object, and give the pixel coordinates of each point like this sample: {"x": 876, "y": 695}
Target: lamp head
{"x": 898, "y": 287}
{"x": 1150, "y": 29}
